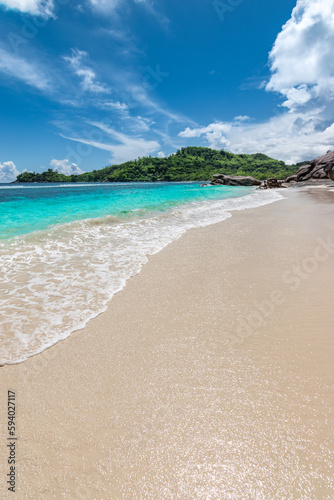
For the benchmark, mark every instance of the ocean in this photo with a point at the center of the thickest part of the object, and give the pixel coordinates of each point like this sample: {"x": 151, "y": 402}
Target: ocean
{"x": 66, "y": 249}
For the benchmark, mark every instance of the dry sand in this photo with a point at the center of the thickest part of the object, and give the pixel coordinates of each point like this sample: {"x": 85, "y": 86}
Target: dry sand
{"x": 210, "y": 376}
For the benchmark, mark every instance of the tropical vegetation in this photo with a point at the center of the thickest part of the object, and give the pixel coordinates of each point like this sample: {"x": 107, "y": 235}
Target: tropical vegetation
{"x": 187, "y": 164}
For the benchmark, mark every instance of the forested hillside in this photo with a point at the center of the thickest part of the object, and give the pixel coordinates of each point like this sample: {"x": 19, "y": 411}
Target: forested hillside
{"x": 187, "y": 164}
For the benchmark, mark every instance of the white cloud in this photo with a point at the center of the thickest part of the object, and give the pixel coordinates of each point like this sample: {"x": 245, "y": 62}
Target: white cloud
{"x": 20, "y": 69}
{"x": 104, "y": 5}
{"x": 302, "y": 66}
{"x": 301, "y": 59}
{"x": 119, "y": 106}
{"x": 297, "y": 96}
{"x": 43, "y": 8}
{"x": 241, "y": 118}
{"x": 215, "y": 134}
{"x": 128, "y": 147}
{"x": 88, "y": 77}
{"x": 109, "y": 6}
{"x": 291, "y": 137}
{"x": 138, "y": 124}
{"x": 64, "y": 167}
{"x": 135, "y": 124}
{"x": 8, "y": 171}
{"x": 161, "y": 154}
{"x": 139, "y": 95}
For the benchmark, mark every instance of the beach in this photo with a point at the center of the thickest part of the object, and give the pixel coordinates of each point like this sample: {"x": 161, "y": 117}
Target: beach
{"x": 209, "y": 376}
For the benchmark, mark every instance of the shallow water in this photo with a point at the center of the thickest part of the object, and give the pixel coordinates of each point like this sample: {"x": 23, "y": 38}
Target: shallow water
{"x": 67, "y": 249}
{"x": 30, "y": 207}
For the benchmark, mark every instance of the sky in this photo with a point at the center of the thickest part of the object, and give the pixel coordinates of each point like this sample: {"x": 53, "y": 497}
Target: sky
{"x": 88, "y": 83}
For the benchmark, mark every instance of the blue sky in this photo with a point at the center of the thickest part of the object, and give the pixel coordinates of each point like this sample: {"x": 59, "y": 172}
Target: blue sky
{"x": 88, "y": 83}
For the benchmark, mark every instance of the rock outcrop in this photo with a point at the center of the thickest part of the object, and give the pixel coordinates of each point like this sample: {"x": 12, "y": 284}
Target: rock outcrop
{"x": 291, "y": 178}
{"x": 234, "y": 180}
{"x": 272, "y": 184}
{"x": 320, "y": 168}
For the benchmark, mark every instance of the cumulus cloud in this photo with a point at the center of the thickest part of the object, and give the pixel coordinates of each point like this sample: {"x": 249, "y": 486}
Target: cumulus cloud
{"x": 302, "y": 67}
{"x": 291, "y": 137}
{"x": 215, "y": 134}
{"x": 89, "y": 81}
{"x": 8, "y": 171}
{"x": 43, "y": 8}
{"x": 161, "y": 154}
{"x": 301, "y": 59}
{"x": 65, "y": 167}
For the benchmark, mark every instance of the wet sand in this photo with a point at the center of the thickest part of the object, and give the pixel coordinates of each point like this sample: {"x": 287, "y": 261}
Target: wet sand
{"x": 210, "y": 376}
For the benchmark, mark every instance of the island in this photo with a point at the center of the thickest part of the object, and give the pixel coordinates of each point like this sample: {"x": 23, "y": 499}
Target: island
{"x": 187, "y": 164}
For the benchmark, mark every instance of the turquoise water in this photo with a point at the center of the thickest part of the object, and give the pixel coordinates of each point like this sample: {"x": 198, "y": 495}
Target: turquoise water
{"x": 31, "y": 207}
{"x": 65, "y": 250}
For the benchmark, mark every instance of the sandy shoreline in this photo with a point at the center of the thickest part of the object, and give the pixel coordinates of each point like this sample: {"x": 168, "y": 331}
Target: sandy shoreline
{"x": 209, "y": 376}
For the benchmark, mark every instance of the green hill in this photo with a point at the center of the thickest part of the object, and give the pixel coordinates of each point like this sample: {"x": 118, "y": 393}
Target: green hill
{"x": 188, "y": 164}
